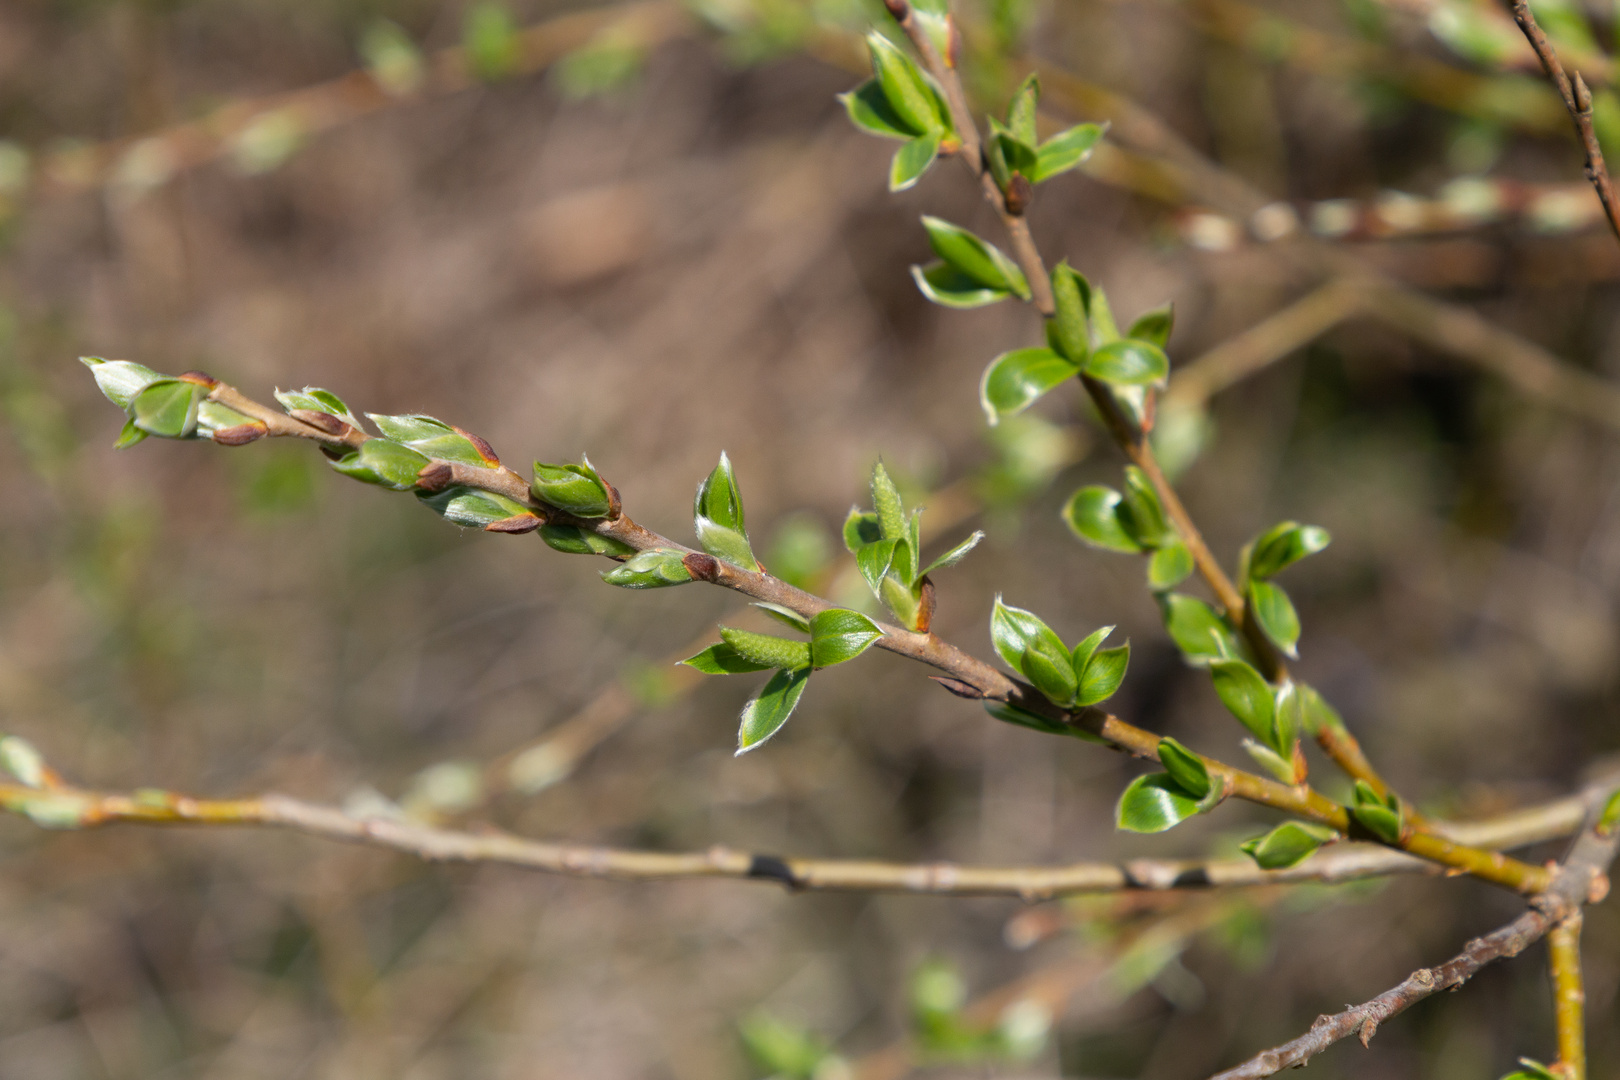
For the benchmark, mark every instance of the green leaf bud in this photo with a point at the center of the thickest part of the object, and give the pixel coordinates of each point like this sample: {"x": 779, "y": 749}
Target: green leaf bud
{"x": 1142, "y": 514}
{"x": 1154, "y": 326}
{"x": 1022, "y": 109}
{"x": 437, "y": 439}
{"x": 1128, "y": 362}
{"x": 1170, "y": 566}
{"x": 869, "y": 109}
{"x": 1068, "y": 330}
{"x": 1275, "y": 614}
{"x": 168, "y": 408}
{"x": 1247, "y": 696}
{"x": 912, "y": 160}
{"x": 947, "y": 286}
{"x": 764, "y": 716}
{"x": 477, "y": 509}
{"x": 314, "y": 399}
{"x": 891, "y": 511}
{"x": 1093, "y": 514}
{"x": 981, "y": 261}
{"x": 860, "y": 529}
{"x": 1283, "y": 545}
{"x": 1289, "y": 844}
{"x": 1103, "y": 674}
{"x": 905, "y": 87}
{"x": 1014, "y": 630}
{"x": 1065, "y": 150}
{"x": 383, "y": 462}
{"x": 1198, "y": 631}
{"x": 1282, "y": 768}
{"x": 576, "y": 489}
{"x": 650, "y": 570}
{"x": 1380, "y": 816}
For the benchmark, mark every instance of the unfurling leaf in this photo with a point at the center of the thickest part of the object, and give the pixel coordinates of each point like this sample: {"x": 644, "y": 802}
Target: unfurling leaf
{"x": 1186, "y": 768}
{"x": 980, "y": 261}
{"x": 1274, "y": 763}
{"x": 861, "y": 528}
{"x": 1129, "y": 362}
{"x": 576, "y": 541}
{"x": 869, "y": 110}
{"x": 1275, "y": 614}
{"x": 764, "y": 715}
{"x": 1046, "y": 664}
{"x": 717, "y": 515}
{"x": 1103, "y": 674}
{"x": 1169, "y": 566}
{"x": 1248, "y": 696}
{"x": 1013, "y": 629}
{"x": 785, "y": 615}
{"x": 650, "y": 570}
{"x": 874, "y": 561}
{"x": 1083, "y": 652}
{"x": 912, "y": 160}
{"x": 1202, "y": 635}
{"x": 722, "y": 659}
{"x": 1021, "y": 111}
{"x": 955, "y": 555}
{"x": 1153, "y": 804}
{"x": 910, "y": 95}
{"x": 766, "y": 649}
{"x": 1142, "y": 513}
{"x": 1289, "y": 844}
{"x": 1283, "y": 545}
{"x": 383, "y": 462}
{"x": 314, "y": 399}
{"x": 119, "y": 380}
{"x": 1065, "y": 150}
{"x": 436, "y": 439}
{"x": 576, "y": 489}
{"x": 1016, "y": 380}
{"x": 1093, "y": 514}
{"x": 886, "y": 501}
{"x": 837, "y": 635}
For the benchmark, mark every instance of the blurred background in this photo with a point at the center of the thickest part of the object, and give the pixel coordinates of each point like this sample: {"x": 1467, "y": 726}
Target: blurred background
{"x": 647, "y": 232}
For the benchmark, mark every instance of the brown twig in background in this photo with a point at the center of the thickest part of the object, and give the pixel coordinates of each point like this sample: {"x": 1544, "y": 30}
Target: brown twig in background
{"x": 1578, "y": 101}
{"x": 1569, "y": 996}
{"x": 1581, "y": 879}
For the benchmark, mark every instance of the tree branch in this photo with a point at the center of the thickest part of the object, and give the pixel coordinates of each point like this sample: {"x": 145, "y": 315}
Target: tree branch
{"x": 1582, "y": 879}
{"x": 1569, "y": 996}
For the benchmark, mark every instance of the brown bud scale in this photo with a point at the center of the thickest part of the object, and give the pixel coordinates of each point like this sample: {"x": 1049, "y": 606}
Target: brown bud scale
{"x": 702, "y": 567}
{"x": 201, "y": 378}
{"x": 241, "y": 434}
{"x": 485, "y": 451}
{"x": 319, "y": 420}
{"x": 435, "y": 476}
{"x": 516, "y": 524}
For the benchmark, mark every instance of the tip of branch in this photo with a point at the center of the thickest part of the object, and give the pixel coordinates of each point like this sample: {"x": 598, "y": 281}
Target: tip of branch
{"x": 1583, "y": 94}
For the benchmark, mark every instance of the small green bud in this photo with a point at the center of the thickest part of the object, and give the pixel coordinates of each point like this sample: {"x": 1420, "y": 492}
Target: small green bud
{"x": 653, "y": 569}
{"x": 383, "y": 462}
{"x": 576, "y": 489}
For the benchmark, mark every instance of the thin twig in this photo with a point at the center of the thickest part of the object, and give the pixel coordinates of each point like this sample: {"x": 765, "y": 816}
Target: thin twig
{"x": 1578, "y": 101}
{"x": 67, "y": 807}
{"x": 1582, "y": 879}
{"x": 1569, "y": 996}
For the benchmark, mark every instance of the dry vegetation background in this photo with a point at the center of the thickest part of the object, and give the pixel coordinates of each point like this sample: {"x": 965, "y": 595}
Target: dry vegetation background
{"x": 705, "y": 259}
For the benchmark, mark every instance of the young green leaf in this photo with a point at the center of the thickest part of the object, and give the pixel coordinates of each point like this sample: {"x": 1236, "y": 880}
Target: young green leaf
{"x": 1021, "y": 110}
{"x": 904, "y": 86}
{"x": 119, "y": 380}
{"x": 1007, "y": 155}
{"x": 838, "y": 634}
{"x": 1103, "y": 674}
{"x": 767, "y": 649}
{"x": 1202, "y": 636}
{"x": 947, "y": 286}
{"x": 573, "y": 540}
{"x": 1068, "y": 331}
{"x": 1283, "y": 545}
{"x": 869, "y": 110}
{"x": 653, "y": 569}
{"x": 861, "y": 528}
{"x": 1289, "y": 844}
{"x": 383, "y": 462}
{"x": 1247, "y": 696}
{"x": 955, "y": 555}
{"x": 1186, "y": 768}
{"x": 1169, "y": 566}
{"x": 722, "y": 659}
{"x": 129, "y": 436}
{"x": 874, "y": 561}
{"x": 912, "y": 160}
{"x": 1046, "y": 664}
{"x": 1093, "y": 514}
{"x": 1153, "y": 804}
{"x": 984, "y": 263}
{"x": 785, "y": 615}
{"x": 1012, "y": 714}
{"x": 1532, "y": 1070}
{"x": 717, "y": 516}
{"x": 1016, "y": 380}
{"x": 576, "y": 489}
{"x": 1315, "y": 712}
{"x": 1083, "y": 652}
{"x": 1013, "y": 629}
{"x": 212, "y": 418}
{"x": 1275, "y": 614}
{"x": 1380, "y": 816}
{"x": 436, "y": 439}
{"x": 903, "y": 601}
{"x": 1065, "y": 150}
{"x": 1129, "y": 362}
{"x": 764, "y": 715}
{"x": 1154, "y": 326}
{"x": 480, "y": 509}
{"x": 1101, "y": 318}
{"x": 167, "y": 408}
